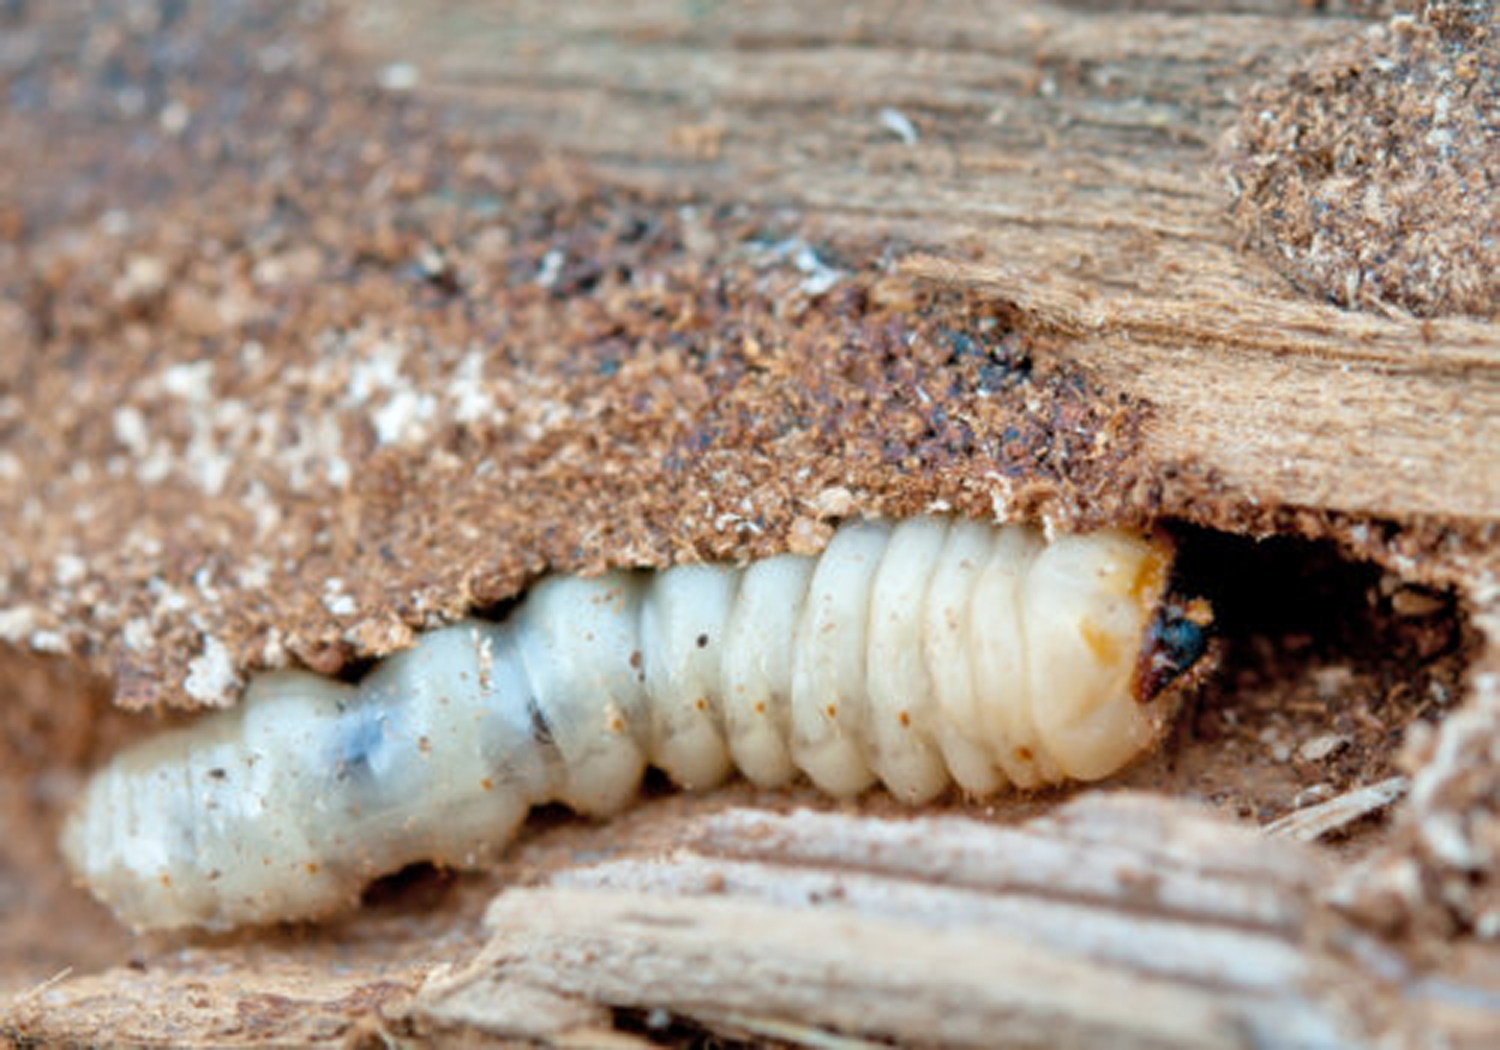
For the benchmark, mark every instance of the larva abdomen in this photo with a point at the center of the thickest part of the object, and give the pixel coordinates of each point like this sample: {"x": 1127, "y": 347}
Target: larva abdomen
{"x": 829, "y": 663}
{"x": 910, "y": 654}
{"x": 684, "y": 622}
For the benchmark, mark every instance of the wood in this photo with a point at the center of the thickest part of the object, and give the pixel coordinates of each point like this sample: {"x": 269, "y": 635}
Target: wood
{"x": 201, "y": 1002}
{"x": 1063, "y": 160}
{"x": 1122, "y": 921}
{"x": 1060, "y": 163}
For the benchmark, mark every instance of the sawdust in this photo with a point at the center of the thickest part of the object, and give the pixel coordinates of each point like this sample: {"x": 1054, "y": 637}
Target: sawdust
{"x": 1371, "y": 176}
{"x": 297, "y": 411}
{"x": 295, "y": 368}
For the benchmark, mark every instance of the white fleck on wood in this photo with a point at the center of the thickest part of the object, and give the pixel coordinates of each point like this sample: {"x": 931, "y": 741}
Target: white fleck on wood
{"x": 1314, "y": 822}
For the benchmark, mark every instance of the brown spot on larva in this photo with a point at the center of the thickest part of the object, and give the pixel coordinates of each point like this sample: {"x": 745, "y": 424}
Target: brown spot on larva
{"x": 1151, "y": 574}
{"x": 1023, "y": 754}
{"x": 904, "y": 718}
{"x": 832, "y": 710}
{"x": 424, "y": 745}
{"x": 166, "y": 880}
{"x": 487, "y": 784}
{"x": 637, "y": 661}
{"x": 760, "y": 707}
{"x": 313, "y": 867}
{"x": 701, "y": 704}
{"x": 703, "y": 641}
{"x": 1101, "y": 644}
{"x": 617, "y": 724}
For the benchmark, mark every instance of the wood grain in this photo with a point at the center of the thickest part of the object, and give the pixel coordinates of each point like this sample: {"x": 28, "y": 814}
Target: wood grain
{"x": 1121, "y": 921}
{"x": 1063, "y": 159}
{"x": 1062, "y": 164}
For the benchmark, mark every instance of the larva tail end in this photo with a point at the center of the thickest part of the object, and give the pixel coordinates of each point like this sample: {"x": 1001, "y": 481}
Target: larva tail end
{"x": 1178, "y": 649}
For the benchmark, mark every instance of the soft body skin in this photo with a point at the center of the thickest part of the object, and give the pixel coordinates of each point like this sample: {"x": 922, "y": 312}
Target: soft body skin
{"x": 917, "y": 655}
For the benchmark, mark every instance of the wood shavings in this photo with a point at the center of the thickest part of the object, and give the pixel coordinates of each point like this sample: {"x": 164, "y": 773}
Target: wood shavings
{"x": 1326, "y": 818}
{"x": 1370, "y": 176}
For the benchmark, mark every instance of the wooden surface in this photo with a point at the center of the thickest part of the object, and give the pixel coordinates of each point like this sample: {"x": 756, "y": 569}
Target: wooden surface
{"x": 1121, "y": 921}
{"x": 1062, "y": 159}
{"x": 1060, "y": 163}
{"x": 1117, "y": 920}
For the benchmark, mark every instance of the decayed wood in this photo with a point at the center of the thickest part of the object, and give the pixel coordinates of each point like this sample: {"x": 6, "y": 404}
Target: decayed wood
{"x": 1058, "y": 157}
{"x": 1122, "y": 921}
{"x": 203, "y": 1000}
{"x": 1061, "y": 162}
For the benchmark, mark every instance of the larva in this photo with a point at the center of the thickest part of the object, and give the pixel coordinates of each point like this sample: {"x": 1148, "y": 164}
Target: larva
{"x": 928, "y": 652}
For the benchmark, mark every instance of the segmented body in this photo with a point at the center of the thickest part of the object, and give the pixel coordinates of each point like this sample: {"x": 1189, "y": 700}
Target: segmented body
{"x": 928, "y": 652}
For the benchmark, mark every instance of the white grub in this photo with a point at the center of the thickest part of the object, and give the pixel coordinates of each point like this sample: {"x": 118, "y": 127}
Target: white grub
{"x": 916, "y": 655}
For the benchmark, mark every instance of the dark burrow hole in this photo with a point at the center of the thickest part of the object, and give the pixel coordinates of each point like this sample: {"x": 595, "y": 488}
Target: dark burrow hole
{"x": 1312, "y": 596}
{"x": 1324, "y": 663}
{"x": 661, "y": 1028}
{"x": 418, "y": 887}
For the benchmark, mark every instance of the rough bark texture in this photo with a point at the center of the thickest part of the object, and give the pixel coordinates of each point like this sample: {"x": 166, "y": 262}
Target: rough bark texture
{"x": 320, "y": 329}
